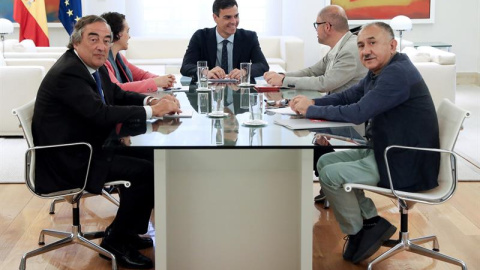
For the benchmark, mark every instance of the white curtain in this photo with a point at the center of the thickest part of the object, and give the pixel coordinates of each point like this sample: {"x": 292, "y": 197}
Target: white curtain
{"x": 182, "y": 18}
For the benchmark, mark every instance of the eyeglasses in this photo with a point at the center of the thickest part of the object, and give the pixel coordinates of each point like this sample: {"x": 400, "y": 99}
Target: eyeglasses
{"x": 316, "y": 24}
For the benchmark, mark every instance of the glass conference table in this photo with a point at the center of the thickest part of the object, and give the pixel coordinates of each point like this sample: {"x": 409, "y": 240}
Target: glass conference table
{"x": 228, "y": 196}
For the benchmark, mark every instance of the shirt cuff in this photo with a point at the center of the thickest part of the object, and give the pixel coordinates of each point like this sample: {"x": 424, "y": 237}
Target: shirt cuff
{"x": 148, "y": 111}
{"x": 149, "y": 128}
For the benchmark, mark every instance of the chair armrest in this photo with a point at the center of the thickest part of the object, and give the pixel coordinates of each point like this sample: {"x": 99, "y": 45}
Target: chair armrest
{"x": 126, "y": 183}
{"x": 423, "y": 199}
{"x": 30, "y": 172}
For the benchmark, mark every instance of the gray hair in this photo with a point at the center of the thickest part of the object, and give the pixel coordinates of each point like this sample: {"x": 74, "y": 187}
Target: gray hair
{"x": 76, "y": 36}
{"x": 383, "y": 26}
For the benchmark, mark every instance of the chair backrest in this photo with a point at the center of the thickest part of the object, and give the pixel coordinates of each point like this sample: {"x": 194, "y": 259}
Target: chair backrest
{"x": 25, "y": 115}
{"x": 450, "y": 122}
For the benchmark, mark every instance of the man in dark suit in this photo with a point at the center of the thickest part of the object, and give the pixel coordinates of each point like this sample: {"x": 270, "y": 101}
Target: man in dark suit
{"x": 77, "y": 102}
{"x": 224, "y": 47}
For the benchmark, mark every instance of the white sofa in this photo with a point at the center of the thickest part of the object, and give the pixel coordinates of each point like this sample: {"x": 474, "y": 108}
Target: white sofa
{"x": 283, "y": 53}
{"x": 26, "y": 49}
{"x": 46, "y": 63}
{"x": 19, "y": 84}
{"x": 438, "y": 69}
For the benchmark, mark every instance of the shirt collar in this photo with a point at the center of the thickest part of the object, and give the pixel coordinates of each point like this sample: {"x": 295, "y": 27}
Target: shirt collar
{"x": 335, "y": 49}
{"x": 90, "y": 69}
{"x": 220, "y": 38}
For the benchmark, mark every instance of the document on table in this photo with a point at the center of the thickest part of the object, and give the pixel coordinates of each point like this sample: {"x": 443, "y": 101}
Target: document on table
{"x": 222, "y": 80}
{"x": 183, "y": 114}
{"x": 303, "y": 123}
{"x": 285, "y": 110}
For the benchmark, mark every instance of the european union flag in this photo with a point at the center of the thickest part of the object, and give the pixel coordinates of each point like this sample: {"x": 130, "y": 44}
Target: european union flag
{"x": 69, "y": 12}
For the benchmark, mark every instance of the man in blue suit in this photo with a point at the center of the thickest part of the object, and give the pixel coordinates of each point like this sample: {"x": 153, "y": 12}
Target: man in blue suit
{"x": 224, "y": 47}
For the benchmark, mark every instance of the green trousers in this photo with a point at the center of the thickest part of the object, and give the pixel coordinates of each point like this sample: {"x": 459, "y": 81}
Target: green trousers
{"x": 349, "y": 166}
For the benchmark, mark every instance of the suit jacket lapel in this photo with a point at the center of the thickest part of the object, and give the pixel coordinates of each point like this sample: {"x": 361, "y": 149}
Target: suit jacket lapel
{"x": 236, "y": 51}
{"x": 212, "y": 47}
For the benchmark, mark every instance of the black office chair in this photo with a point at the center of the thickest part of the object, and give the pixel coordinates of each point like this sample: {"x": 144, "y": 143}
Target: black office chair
{"x": 71, "y": 195}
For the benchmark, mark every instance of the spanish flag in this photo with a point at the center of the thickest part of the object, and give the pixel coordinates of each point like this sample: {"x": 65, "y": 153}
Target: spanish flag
{"x": 31, "y": 16}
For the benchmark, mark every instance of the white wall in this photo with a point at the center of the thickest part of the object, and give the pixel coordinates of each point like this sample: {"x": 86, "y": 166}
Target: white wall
{"x": 455, "y": 24}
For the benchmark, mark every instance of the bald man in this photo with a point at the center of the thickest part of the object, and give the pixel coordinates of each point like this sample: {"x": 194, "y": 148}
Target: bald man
{"x": 341, "y": 66}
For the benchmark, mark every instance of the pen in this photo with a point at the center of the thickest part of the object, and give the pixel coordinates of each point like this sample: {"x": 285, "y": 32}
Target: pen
{"x": 172, "y": 88}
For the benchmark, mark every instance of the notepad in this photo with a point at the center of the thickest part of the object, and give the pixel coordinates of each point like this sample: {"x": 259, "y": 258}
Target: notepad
{"x": 222, "y": 81}
{"x": 304, "y": 123}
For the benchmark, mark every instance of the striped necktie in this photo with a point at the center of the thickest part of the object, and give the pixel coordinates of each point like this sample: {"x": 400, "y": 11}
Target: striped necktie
{"x": 225, "y": 56}
{"x": 96, "y": 76}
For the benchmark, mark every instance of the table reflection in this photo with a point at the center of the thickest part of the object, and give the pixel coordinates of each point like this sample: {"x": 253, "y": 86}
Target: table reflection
{"x": 202, "y": 131}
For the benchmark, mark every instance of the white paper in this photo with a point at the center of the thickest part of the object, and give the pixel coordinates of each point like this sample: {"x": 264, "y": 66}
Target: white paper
{"x": 285, "y": 110}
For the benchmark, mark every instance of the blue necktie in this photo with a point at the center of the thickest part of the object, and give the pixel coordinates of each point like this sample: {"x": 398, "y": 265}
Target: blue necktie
{"x": 96, "y": 76}
{"x": 225, "y": 56}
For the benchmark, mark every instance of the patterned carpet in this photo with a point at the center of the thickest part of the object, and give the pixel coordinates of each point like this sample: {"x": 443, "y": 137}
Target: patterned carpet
{"x": 12, "y": 160}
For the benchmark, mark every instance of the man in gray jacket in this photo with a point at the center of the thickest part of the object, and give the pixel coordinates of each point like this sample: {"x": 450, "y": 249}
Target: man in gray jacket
{"x": 341, "y": 66}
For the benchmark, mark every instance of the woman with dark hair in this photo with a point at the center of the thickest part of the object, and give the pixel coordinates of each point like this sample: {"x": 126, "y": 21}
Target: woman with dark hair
{"x": 126, "y": 75}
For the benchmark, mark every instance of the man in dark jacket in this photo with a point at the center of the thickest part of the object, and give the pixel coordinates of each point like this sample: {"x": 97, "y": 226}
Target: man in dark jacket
{"x": 395, "y": 102}
{"x": 224, "y": 47}
{"x": 77, "y": 102}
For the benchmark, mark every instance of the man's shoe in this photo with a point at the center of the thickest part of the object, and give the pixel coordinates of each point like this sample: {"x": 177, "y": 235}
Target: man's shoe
{"x": 351, "y": 245}
{"x": 372, "y": 239}
{"x": 125, "y": 255}
{"x": 320, "y": 198}
{"x": 137, "y": 242}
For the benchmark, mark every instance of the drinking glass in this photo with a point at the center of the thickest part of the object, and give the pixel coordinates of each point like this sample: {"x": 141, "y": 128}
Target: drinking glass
{"x": 203, "y": 102}
{"x": 202, "y": 72}
{"x": 245, "y": 68}
{"x": 217, "y": 100}
{"x": 217, "y": 132}
{"x": 244, "y": 96}
{"x": 256, "y": 106}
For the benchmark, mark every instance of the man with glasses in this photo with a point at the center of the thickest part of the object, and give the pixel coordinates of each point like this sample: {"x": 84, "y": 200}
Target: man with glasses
{"x": 337, "y": 71}
{"x": 224, "y": 47}
{"x": 341, "y": 66}
{"x": 77, "y": 102}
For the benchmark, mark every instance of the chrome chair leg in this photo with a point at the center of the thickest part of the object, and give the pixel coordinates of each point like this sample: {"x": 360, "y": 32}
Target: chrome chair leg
{"x": 389, "y": 253}
{"x": 436, "y": 255}
{"x": 52, "y": 205}
{"x": 89, "y": 244}
{"x": 109, "y": 197}
{"x": 76, "y": 236}
{"x": 52, "y": 246}
{"x": 94, "y": 235}
{"x": 426, "y": 239}
{"x": 58, "y": 234}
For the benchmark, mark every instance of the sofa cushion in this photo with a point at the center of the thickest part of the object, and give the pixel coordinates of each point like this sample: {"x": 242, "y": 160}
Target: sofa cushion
{"x": 157, "y": 61}
{"x": 154, "y": 47}
{"x": 276, "y": 61}
{"x": 28, "y": 45}
{"x": 270, "y": 46}
{"x": 416, "y": 56}
{"x": 438, "y": 56}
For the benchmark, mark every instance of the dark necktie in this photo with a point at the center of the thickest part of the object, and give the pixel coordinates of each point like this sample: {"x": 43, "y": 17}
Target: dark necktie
{"x": 96, "y": 76}
{"x": 225, "y": 56}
